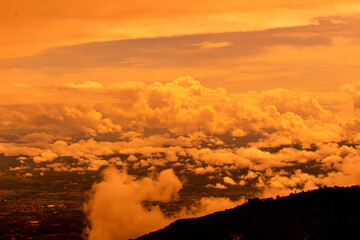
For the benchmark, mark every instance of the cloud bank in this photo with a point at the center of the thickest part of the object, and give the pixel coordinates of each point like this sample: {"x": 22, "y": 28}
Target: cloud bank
{"x": 182, "y": 144}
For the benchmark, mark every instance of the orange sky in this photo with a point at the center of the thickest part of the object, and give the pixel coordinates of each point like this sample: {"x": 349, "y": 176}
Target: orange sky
{"x": 307, "y": 45}
{"x": 293, "y": 48}
{"x": 31, "y": 27}
{"x": 216, "y": 82}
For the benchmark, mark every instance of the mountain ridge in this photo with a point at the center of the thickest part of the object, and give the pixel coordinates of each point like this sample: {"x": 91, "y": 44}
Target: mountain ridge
{"x": 325, "y": 213}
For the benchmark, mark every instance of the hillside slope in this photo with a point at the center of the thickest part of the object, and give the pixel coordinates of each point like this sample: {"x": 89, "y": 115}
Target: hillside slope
{"x": 325, "y": 213}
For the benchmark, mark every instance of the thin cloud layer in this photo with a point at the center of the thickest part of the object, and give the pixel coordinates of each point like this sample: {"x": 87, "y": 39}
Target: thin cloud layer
{"x": 94, "y": 21}
{"x": 319, "y": 55}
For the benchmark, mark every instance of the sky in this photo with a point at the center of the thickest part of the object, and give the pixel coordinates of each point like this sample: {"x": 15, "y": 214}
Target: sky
{"x": 248, "y": 45}
{"x": 213, "y": 88}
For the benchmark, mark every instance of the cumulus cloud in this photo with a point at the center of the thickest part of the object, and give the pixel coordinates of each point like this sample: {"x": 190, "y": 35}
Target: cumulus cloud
{"x": 217, "y": 185}
{"x": 37, "y": 138}
{"x": 274, "y": 142}
{"x": 45, "y": 156}
{"x": 88, "y": 84}
{"x": 202, "y": 170}
{"x": 229, "y": 181}
{"x": 59, "y": 120}
{"x": 184, "y": 106}
{"x": 116, "y": 210}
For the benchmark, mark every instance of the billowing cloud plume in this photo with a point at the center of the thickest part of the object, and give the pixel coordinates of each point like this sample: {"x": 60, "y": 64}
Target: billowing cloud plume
{"x": 116, "y": 210}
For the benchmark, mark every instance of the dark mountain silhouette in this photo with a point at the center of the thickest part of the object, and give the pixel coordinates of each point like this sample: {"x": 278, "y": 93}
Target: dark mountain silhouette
{"x": 325, "y": 213}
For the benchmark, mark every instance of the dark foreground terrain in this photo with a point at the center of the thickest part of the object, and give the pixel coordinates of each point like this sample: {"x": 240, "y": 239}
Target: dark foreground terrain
{"x": 326, "y": 213}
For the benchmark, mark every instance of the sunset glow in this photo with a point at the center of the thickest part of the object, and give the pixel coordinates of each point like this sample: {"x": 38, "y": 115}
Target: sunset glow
{"x": 190, "y": 107}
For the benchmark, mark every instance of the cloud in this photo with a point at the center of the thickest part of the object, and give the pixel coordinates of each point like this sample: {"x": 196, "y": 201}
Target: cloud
{"x": 88, "y": 84}
{"x": 37, "y": 138}
{"x": 229, "y": 181}
{"x": 189, "y": 115}
{"x": 273, "y": 142}
{"x": 210, "y": 45}
{"x": 202, "y": 170}
{"x": 45, "y": 156}
{"x": 116, "y": 210}
{"x": 354, "y": 92}
{"x": 217, "y": 185}
{"x": 21, "y": 85}
{"x": 61, "y": 120}
{"x": 210, "y": 205}
{"x": 71, "y": 24}
{"x": 175, "y": 51}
